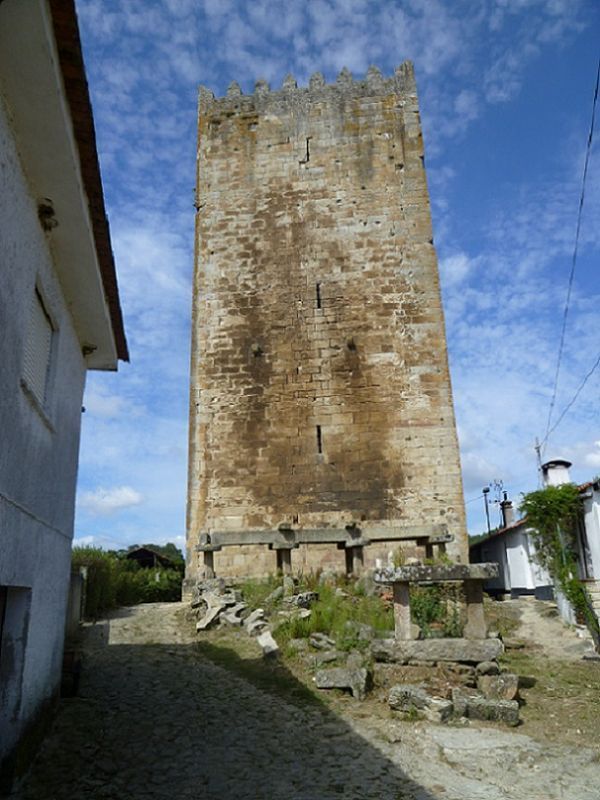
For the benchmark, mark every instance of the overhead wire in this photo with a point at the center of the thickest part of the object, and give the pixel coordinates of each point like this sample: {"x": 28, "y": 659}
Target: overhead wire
{"x": 575, "y": 396}
{"x": 570, "y": 282}
{"x": 472, "y": 500}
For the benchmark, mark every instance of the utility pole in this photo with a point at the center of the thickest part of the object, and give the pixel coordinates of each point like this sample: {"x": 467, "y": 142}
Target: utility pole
{"x": 538, "y": 449}
{"x": 486, "y": 491}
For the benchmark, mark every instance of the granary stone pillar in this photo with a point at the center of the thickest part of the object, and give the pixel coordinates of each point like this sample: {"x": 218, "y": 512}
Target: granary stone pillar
{"x": 402, "y": 623}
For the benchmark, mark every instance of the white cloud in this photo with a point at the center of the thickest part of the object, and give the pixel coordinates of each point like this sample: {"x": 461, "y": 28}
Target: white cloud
{"x": 592, "y": 459}
{"x": 456, "y": 268}
{"x": 466, "y": 104}
{"x": 99, "y": 401}
{"x": 107, "y": 501}
{"x": 84, "y": 541}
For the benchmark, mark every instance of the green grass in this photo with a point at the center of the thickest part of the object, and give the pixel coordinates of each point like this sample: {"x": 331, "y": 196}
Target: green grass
{"x": 331, "y": 613}
{"x": 437, "y": 607}
{"x": 256, "y": 590}
{"x": 561, "y": 698}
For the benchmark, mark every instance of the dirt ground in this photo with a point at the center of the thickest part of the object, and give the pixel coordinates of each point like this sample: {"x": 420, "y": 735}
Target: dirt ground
{"x": 162, "y": 713}
{"x": 561, "y": 690}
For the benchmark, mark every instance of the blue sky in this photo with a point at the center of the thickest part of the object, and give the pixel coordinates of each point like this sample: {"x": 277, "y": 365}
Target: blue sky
{"x": 505, "y": 90}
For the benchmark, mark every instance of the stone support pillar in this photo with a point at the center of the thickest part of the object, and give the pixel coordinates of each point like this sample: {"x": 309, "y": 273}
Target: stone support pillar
{"x": 284, "y": 561}
{"x": 402, "y": 621}
{"x": 357, "y": 560}
{"x": 475, "y": 627}
{"x": 209, "y": 564}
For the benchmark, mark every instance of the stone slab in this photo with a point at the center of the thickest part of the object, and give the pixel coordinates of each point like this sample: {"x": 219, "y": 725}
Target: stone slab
{"x": 351, "y": 536}
{"x": 435, "y": 573}
{"x": 210, "y": 617}
{"x": 469, "y": 651}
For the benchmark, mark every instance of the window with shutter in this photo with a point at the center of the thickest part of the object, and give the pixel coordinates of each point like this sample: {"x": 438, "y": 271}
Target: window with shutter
{"x": 38, "y": 349}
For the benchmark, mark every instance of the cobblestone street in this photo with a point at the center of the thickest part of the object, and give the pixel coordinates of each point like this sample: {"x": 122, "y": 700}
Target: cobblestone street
{"x": 155, "y": 718}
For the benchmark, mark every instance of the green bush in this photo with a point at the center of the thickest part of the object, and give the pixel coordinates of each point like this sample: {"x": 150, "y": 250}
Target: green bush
{"x": 100, "y": 592}
{"x": 113, "y": 581}
{"x": 331, "y": 613}
{"x": 552, "y": 514}
{"x": 437, "y": 607}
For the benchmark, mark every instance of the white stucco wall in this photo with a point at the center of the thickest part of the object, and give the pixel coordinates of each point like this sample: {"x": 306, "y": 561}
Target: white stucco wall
{"x": 514, "y": 551}
{"x": 591, "y": 516}
{"x": 493, "y": 550}
{"x": 39, "y": 452}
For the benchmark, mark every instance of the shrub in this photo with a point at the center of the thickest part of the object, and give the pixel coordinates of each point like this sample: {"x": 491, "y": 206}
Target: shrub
{"x": 552, "y": 514}
{"x": 331, "y": 613}
{"x": 437, "y": 607}
{"x": 112, "y": 581}
{"x": 100, "y": 593}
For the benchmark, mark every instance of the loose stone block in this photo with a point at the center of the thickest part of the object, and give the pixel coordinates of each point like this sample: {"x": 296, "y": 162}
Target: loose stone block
{"x": 408, "y": 697}
{"x": 321, "y": 641}
{"x": 303, "y": 600}
{"x": 499, "y": 687}
{"x": 405, "y": 696}
{"x": 210, "y": 617}
{"x": 506, "y": 711}
{"x": 268, "y": 644}
{"x": 472, "y": 705}
{"x": 357, "y": 680}
{"x": 488, "y": 668}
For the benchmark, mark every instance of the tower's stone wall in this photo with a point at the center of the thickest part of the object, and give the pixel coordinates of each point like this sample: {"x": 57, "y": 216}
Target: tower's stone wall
{"x": 320, "y": 392}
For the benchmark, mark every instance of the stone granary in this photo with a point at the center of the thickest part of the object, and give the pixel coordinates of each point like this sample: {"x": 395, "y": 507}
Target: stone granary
{"x": 322, "y": 431}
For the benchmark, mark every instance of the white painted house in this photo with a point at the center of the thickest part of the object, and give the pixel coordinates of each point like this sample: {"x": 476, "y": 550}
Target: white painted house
{"x": 59, "y": 316}
{"x": 512, "y": 547}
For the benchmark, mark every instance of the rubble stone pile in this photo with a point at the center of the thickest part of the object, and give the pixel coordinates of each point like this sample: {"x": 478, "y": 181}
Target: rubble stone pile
{"x": 474, "y": 687}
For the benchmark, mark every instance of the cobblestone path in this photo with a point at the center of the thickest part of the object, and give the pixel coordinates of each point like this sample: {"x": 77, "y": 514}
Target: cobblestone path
{"x": 156, "y": 719}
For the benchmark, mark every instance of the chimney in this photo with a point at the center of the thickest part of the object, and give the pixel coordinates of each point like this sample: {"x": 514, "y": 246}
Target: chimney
{"x": 507, "y": 510}
{"x": 556, "y": 472}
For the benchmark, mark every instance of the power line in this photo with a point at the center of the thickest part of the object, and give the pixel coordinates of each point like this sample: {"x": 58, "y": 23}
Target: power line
{"x": 574, "y": 398}
{"x": 472, "y": 500}
{"x": 572, "y": 274}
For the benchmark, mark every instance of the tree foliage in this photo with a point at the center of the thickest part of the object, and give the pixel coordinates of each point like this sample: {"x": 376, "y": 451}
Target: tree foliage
{"x": 115, "y": 581}
{"x": 552, "y": 514}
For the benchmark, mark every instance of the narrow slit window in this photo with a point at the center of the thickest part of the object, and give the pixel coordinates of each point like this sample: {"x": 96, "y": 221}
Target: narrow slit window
{"x": 318, "y": 288}
{"x": 306, "y": 158}
{"x": 319, "y": 440}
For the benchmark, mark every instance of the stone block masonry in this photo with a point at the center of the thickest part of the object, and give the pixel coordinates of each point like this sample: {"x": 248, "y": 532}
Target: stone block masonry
{"x": 320, "y": 392}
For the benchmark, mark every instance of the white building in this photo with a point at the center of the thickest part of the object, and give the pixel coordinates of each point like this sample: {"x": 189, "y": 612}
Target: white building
{"x": 59, "y": 317}
{"x": 512, "y": 547}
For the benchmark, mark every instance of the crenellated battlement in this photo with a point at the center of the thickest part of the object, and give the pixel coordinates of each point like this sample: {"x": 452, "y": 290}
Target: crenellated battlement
{"x": 345, "y": 87}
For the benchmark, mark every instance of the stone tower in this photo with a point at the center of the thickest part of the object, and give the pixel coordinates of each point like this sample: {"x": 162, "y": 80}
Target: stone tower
{"x": 321, "y": 413}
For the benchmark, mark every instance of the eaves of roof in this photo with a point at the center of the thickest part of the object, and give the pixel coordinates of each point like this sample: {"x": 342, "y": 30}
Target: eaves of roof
{"x": 68, "y": 44}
